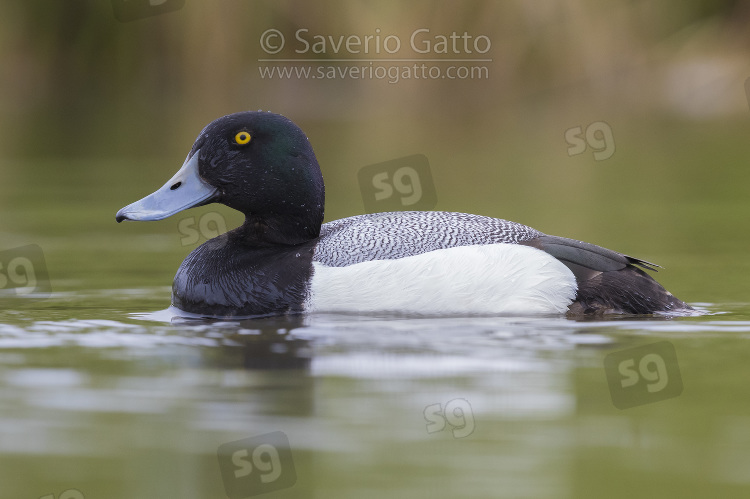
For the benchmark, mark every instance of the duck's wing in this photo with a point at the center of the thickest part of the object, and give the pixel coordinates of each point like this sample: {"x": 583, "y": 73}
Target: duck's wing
{"x": 608, "y": 281}
{"x": 389, "y": 236}
{"x": 585, "y": 259}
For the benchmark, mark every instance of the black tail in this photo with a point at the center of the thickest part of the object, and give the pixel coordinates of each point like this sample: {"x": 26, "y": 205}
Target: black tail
{"x": 608, "y": 281}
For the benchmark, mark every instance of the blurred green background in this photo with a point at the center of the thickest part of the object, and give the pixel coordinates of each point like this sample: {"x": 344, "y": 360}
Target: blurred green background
{"x": 95, "y": 113}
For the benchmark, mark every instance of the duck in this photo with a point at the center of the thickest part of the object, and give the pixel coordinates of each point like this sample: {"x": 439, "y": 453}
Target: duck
{"x": 284, "y": 260}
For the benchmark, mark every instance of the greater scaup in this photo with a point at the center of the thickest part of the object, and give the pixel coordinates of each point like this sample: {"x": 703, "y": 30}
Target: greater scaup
{"x": 283, "y": 259}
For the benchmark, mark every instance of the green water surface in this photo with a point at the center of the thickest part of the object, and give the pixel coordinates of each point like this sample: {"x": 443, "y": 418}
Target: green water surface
{"x": 101, "y": 398}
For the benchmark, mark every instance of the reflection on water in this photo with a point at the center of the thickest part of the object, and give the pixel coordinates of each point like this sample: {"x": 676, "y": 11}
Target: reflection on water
{"x": 114, "y": 405}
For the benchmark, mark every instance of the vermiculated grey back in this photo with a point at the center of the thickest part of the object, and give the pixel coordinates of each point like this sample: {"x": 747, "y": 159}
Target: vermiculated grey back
{"x": 388, "y": 236}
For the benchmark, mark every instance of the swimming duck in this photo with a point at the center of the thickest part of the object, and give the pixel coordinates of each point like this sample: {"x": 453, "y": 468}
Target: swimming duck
{"x": 283, "y": 259}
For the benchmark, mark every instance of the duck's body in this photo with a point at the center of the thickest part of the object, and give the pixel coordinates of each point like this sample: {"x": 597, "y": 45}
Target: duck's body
{"x": 415, "y": 263}
{"x": 282, "y": 260}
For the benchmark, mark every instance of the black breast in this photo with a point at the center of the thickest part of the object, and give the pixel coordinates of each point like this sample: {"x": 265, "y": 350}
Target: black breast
{"x": 225, "y": 278}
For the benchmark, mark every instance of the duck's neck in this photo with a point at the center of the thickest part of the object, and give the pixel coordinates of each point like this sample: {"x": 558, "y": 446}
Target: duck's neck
{"x": 277, "y": 230}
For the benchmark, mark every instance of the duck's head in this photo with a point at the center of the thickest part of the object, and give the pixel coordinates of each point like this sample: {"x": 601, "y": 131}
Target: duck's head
{"x": 259, "y": 163}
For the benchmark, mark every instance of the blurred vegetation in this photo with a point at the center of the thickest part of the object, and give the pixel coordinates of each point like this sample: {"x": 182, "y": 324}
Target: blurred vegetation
{"x": 95, "y": 113}
{"x": 76, "y": 82}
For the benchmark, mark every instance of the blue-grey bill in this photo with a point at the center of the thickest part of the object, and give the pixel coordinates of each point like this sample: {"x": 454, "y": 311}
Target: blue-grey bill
{"x": 185, "y": 190}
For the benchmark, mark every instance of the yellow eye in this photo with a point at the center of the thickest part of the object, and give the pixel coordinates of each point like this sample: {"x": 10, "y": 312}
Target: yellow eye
{"x": 242, "y": 138}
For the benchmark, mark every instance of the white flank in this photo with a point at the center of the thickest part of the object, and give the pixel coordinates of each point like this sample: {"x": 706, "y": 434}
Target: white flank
{"x": 486, "y": 280}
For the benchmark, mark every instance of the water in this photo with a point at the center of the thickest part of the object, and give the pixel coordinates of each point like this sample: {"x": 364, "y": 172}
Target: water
{"x": 103, "y": 395}
{"x": 115, "y": 404}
